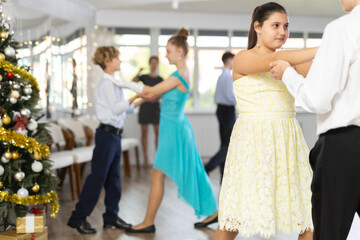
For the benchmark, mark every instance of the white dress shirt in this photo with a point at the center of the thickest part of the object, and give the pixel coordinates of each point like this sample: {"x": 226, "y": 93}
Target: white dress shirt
{"x": 332, "y": 86}
{"x": 111, "y": 106}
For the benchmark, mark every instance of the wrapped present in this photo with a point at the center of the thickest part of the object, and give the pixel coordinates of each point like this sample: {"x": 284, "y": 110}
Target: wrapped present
{"x": 12, "y": 235}
{"x": 30, "y": 223}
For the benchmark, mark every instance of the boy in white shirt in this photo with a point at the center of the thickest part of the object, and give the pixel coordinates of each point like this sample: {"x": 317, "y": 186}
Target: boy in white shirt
{"x": 331, "y": 90}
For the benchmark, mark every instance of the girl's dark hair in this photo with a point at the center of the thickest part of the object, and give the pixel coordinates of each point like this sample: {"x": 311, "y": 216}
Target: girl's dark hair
{"x": 261, "y": 14}
{"x": 180, "y": 39}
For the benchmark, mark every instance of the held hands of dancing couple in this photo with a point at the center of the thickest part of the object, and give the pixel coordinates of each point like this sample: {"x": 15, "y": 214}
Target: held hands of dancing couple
{"x": 278, "y": 68}
{"x": 146, "y": 96}
{"x": 153, "y": 94}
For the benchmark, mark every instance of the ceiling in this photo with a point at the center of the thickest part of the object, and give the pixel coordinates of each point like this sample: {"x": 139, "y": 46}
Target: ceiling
{"x": 326, "y": 8}
{"x": 29, "y": 14}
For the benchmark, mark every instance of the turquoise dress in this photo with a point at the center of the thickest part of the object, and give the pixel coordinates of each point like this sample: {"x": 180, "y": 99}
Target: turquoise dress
{"x": 177, "y": 155}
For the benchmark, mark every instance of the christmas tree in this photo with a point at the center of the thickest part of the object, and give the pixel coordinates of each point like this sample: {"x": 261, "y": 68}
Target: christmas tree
{"x": 25, "y": 176}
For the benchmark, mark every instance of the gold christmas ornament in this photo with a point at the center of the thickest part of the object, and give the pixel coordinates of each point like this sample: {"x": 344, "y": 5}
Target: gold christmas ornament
{"x": 2, "y": 56}
{"x": 6, "y": 119}
{"x": 8, "y": 155}
{"x": 1, "y": 184}
{"x": 15, "y": 155}
{"x": 37, "y": 156}
{"x": 4, "y": 35}
{"x": 35, "y": 188}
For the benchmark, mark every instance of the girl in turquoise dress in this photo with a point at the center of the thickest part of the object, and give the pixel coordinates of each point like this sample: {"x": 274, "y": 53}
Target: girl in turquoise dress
{"x": 177, "y": 155}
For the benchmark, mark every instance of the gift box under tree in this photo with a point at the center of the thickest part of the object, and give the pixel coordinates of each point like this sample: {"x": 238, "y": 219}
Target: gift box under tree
{"x": 32, "y": 222}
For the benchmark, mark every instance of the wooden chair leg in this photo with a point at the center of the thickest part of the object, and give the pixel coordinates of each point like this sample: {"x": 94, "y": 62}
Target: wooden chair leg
{"x": 82, "y": 169}
{"x": 78, "y": 178}
{"x": 137, "y": 158}
{"x": 72, "y": 183}
{"x": 127, "y": 163}
{"x": 61, "y": 174}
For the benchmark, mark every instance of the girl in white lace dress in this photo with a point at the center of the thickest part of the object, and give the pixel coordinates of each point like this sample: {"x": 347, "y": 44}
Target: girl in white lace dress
{"x": 266, "y": 185}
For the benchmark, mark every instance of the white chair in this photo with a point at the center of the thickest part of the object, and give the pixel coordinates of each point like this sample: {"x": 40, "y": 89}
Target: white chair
{"x": 82, "y": 154}
{"x": 78, "y": 130}
{"x": 63, "y": 160}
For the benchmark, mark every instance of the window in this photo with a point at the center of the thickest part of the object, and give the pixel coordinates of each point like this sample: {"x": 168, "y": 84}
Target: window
{"x": 239, "y": 39}
{"x": 210, "y": 68}
{"x": 72, "y": 57}
{"x": 24, "y": 56}
{"x": 211, "y": 45}
{"x": 295, "y": 41}
{"x": 212, "y": 38}
{"x": 134, "y": 47}
{"x": 313, "y": 40}
{"x": 132, "y": 37}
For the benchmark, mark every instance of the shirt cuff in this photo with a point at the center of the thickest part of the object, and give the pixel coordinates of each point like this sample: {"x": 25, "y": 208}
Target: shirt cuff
{"x": 288, "y": 76}
{"x": 131, "y": 108}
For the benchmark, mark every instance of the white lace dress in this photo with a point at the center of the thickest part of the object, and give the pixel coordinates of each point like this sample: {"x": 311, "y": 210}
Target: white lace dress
{"x": 266, "y": 185}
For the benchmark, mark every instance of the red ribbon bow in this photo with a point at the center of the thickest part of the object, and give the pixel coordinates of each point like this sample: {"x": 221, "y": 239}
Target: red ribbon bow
{"x": 35, "y": 211}
{"x": 21, "y": 121}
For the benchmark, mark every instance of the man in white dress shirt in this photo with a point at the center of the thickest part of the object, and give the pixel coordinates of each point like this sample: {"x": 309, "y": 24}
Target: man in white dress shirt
{"x": 332, "y": 91}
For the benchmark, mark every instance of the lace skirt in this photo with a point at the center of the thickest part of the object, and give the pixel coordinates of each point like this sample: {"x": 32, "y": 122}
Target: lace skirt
{"x": 267, "y": 177}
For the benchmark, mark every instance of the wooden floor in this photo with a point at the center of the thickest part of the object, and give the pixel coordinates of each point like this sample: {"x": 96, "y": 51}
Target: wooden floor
{"x": 174, "y": 221}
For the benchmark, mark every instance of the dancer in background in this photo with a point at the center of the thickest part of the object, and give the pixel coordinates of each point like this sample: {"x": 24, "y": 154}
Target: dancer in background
{"x": 149, "y": 112}
{"x": 177, "y": 155}
{"x": 331, "y": 90}
{"x": 225, "y": 113}
{"x": 111, "y": 108}
{"x": 266, "y": 184}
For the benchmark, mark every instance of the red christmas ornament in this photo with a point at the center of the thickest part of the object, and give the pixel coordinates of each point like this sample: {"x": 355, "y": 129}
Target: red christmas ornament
{"x": 10, "y": 75}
